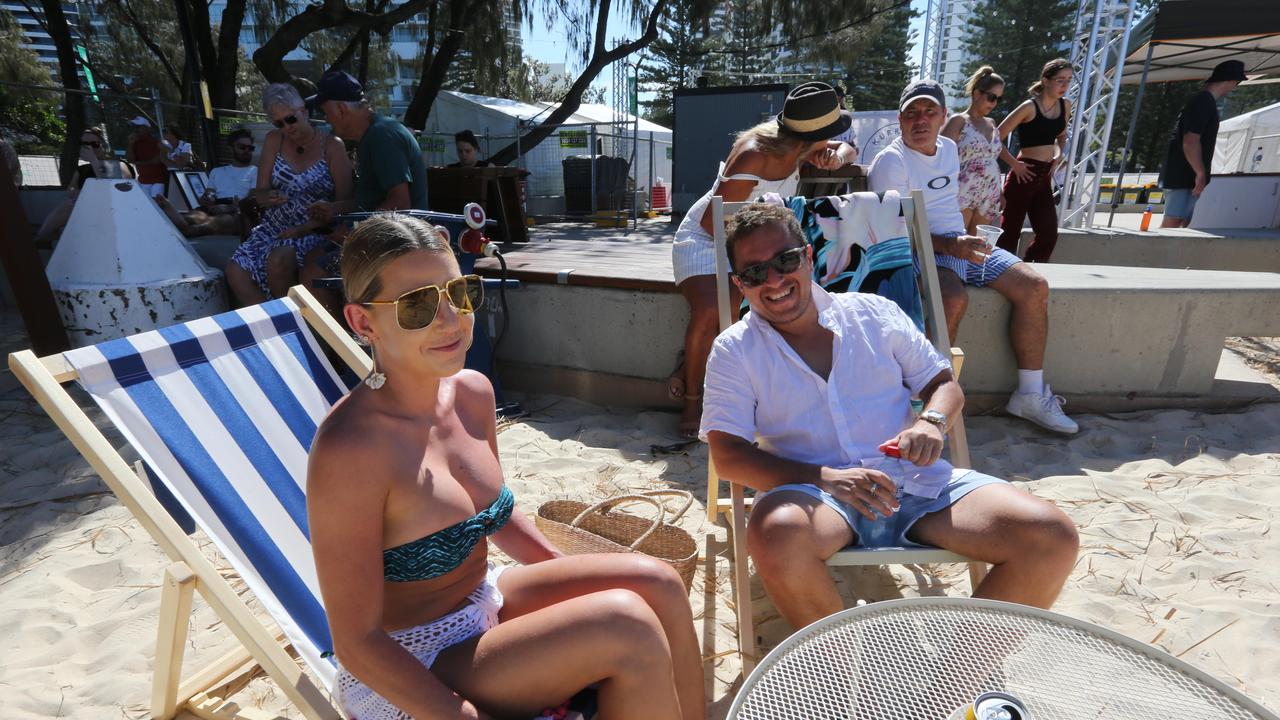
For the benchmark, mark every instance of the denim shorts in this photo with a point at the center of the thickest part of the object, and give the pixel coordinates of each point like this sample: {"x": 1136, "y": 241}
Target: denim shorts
{"x": 1179, "y": 203}
{"x": 892, "y": 531}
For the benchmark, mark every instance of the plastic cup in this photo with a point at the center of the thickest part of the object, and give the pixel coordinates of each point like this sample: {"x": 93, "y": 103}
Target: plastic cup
{"x": 990, "y": 234}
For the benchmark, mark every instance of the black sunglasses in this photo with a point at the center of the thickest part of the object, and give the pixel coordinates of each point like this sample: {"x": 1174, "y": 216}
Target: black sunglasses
{"x": 992, "y": 97}
{"x": 417, "y": 309}
{"x": 90, "y": 143}
{"x": 289, "y": 120}
{"x": 785, "y": 262}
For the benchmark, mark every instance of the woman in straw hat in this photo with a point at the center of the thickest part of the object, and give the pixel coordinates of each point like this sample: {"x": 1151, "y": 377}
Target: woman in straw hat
{"x": 764, "y": 159}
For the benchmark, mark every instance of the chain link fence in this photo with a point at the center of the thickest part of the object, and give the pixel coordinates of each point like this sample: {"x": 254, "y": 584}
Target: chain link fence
{"x": 621, "y": 163}
{"x": 113, "y": 111}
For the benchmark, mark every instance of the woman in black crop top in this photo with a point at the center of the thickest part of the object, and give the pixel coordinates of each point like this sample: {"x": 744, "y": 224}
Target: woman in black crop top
{"x": 408, "y": 463}
{"x": 1041, "y": 124}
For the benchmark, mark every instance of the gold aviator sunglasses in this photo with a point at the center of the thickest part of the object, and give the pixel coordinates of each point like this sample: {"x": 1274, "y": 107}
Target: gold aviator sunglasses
{"x": 417, "y": 309}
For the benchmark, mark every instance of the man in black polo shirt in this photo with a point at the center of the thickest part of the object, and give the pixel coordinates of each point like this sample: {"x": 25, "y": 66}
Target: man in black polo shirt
{"x": 1190, "y": 158}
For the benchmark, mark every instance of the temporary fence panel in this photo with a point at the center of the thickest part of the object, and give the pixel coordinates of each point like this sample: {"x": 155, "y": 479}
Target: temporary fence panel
{"x": 706, "y": 120}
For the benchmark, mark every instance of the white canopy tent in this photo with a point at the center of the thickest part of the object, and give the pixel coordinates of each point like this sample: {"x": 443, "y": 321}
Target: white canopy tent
{"x": 1249, "y": 143}
{"x": 498, "y": 121}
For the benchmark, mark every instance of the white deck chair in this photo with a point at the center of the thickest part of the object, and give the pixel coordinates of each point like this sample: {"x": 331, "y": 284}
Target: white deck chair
{"x": 222, "y": 410}
{"x": 736, "y": 506}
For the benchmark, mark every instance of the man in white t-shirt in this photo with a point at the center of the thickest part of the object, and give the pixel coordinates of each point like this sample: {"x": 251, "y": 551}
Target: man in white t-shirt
{"x": 923, "y": 160}
{"x": 237, "y": 180}
{"x": 219, "y": 211}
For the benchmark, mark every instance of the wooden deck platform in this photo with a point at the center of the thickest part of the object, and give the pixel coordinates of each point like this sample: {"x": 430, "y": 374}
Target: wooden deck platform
{"x": 618, "y": 265}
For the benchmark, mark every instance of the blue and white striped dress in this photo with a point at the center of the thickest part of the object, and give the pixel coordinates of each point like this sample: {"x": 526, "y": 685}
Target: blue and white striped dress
{"x": 301, "y": 188}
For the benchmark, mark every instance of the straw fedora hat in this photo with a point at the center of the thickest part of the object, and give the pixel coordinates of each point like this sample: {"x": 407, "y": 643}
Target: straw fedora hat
{"x": 812, "y": 112}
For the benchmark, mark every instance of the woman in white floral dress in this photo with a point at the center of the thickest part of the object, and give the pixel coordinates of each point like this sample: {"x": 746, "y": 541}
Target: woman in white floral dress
{"x": 978, "y": 143}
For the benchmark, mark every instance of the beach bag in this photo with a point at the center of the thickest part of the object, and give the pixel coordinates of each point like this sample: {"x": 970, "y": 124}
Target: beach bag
{"x": 579, "y": 529}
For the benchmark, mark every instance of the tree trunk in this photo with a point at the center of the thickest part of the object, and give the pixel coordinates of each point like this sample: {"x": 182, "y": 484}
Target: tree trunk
{"x": 600, "y": 59}
{"x": 434, "y": 70}
{"x": 73, "y": 105}
{"x": 222, "y": 76}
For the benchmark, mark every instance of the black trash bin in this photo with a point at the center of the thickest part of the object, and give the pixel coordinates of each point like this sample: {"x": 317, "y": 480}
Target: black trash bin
{"x": 610, "y": 186}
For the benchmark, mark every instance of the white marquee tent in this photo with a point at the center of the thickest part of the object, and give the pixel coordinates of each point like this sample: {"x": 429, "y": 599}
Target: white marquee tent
{"x": 497, "y": 121}
{"x": 1249, "y": 143}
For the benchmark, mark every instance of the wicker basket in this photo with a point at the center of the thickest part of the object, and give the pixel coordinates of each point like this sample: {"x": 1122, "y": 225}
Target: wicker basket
{"x": 579, "y": 529}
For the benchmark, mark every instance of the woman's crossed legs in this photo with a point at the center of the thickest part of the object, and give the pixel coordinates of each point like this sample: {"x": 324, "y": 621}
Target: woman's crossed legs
{"x": 622, "y": 621}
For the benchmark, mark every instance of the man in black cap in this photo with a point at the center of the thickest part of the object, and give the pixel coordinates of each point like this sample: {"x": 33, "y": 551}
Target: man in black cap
{"x": 1190, "y": 158}
{"x": 390, "y": 174}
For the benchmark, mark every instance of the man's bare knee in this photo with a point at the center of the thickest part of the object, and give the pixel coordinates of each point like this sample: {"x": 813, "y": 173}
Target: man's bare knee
{"x": 1045, "y": 534}
{"x": 776, "y": 534}
{"x": 1029, "y": 287}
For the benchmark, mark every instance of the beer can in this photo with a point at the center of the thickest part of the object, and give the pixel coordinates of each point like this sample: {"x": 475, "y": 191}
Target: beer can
{"x": 997, "y": 706}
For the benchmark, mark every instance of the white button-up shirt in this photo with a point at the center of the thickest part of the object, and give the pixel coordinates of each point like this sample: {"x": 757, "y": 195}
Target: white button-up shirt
{"x": 759, "y": 389}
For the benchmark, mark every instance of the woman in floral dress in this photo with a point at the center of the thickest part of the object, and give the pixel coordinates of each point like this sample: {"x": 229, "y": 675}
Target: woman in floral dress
{"x": 978, "y": 143}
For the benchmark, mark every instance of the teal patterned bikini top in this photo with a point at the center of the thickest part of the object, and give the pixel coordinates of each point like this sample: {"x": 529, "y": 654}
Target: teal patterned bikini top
{"x": 443, "y": 551}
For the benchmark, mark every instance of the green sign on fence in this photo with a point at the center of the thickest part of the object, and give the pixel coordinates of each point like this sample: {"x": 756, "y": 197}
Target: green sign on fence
{"x": 573, "y": 138}
{"x": 228, "y": 125}
{"x": 431, "y": 144}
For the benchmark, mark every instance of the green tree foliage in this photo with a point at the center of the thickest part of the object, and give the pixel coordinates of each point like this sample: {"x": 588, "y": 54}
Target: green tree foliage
{"x": 28, "y": 118}
{"x": 1017, "y": 37}
{"x": 880, "y": 69}
{"x": 137, "y": 41}
{"x": 671, "y": 61}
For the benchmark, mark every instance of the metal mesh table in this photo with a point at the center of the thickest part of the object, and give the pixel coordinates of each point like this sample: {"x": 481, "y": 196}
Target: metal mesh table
{"x": 927, "y": 658}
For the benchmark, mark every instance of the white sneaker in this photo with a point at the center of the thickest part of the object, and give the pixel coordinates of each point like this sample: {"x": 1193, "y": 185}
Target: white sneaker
{"x": 1043, "y": 409}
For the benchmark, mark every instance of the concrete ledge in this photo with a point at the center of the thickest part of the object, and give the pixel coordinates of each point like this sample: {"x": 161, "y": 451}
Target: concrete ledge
{"x": 1149, "y": 337}
{"x": 1228, "y": 249}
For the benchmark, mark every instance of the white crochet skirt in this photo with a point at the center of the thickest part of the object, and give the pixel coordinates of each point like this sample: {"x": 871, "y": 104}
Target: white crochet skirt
{"x": 425, "y": 642}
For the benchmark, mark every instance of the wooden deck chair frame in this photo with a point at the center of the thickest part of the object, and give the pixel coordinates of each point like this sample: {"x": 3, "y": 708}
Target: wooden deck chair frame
{"x": 736, "y": 506}
{"x": 201, "y": 694}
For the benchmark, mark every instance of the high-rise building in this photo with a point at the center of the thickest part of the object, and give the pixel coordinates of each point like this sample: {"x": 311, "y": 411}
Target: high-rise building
{"x": 36, "y": 37}
{"x": 952, "y": 53}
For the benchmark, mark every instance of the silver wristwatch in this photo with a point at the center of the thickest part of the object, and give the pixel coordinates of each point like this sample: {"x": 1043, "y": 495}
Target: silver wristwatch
{"x": 933, "y": 417}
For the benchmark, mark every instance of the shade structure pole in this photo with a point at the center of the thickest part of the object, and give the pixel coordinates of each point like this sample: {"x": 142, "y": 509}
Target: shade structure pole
{"x": 1128, "y": 138}
{"x": 1099, "y": 56}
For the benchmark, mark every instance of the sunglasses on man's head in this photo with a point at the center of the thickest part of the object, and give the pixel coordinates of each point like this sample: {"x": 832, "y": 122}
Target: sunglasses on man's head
{"x": 785, "y": 262}
{"x": 991, "y": 97}
{"x": 90, "y": 143}
{"x": 288, "y": 120}
{"x": 417, "y": 309}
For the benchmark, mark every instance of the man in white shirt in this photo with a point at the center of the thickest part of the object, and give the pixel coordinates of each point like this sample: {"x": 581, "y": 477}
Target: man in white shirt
{"x": 229, "y": 185}
{"x": 237, "y": 180}
{"x": 822, "y": 382}
{"x": 923, "y": 160}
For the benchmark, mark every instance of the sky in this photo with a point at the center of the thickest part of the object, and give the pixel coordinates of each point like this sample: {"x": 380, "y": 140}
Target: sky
{"x": 549, "y": 47}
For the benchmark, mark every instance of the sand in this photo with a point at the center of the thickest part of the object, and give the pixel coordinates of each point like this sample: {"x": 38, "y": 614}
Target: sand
{"x": 1175, "y": 510}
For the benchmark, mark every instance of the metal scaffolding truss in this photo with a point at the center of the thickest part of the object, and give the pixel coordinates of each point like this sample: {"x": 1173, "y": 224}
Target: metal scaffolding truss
{"x": 934, "y": 33}
{"x": 1099, "y": 47}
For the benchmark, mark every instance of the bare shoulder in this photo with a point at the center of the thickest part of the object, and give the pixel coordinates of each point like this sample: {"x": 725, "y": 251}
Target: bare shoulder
{"x": 746, "y": 159}
{"x": 473, "y": 391}
{"x": 954, "y": 125}
{"x": 334, "y": 143}
{"x": 348, "y": 443}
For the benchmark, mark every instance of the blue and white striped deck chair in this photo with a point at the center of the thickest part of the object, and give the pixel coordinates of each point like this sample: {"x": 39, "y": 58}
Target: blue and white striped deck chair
{"x": 222, "y": 410}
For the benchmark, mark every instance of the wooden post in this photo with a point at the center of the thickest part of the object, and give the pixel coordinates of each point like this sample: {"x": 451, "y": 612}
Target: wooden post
{"x": 22, "y": 264}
